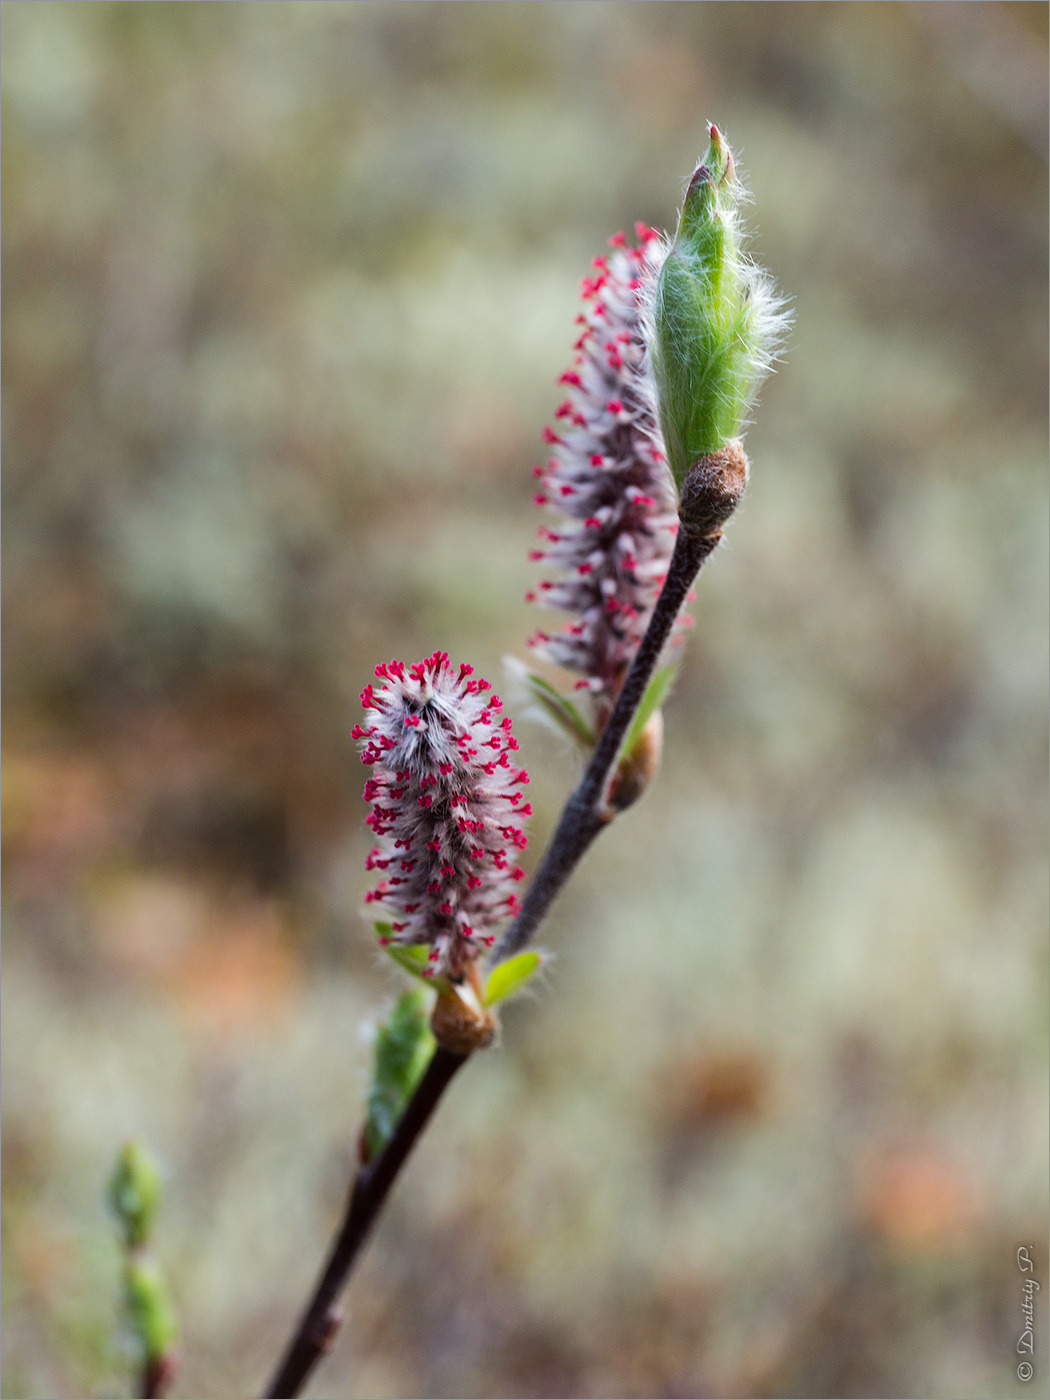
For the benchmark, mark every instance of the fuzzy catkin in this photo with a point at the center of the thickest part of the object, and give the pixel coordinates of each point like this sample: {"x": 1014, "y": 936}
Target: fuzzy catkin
{"x": 607, "y": 479}
{"x": 448, "y": 809}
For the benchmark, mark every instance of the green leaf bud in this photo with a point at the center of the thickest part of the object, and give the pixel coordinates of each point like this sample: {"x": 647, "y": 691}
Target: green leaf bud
{"x": 716, "y": 319}
{"x": 638, "y": 767}
{"x": 149, "y": 1310}
{"x": 403, "y": 1048}
{"x": 134, "y": 1194}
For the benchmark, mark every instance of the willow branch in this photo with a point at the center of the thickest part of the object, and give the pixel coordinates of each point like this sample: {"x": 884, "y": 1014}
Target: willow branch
{"x": 584, "y": 816}
{"x": 157, "y": 1374}
{"x": 319, "y": 1323}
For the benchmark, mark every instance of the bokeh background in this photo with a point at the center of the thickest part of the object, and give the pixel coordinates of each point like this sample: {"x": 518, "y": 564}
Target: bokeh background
{"x": 286, "y": 290}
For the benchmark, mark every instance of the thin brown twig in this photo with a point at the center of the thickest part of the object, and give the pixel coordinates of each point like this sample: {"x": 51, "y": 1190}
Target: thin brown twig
{"x": 319, "y": 1323}
{"x": 584, "y": 816}
{"x": 157, "y": 1375}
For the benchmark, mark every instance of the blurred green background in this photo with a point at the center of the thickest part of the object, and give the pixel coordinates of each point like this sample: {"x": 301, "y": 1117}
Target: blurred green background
{"x": 286, "y": 289}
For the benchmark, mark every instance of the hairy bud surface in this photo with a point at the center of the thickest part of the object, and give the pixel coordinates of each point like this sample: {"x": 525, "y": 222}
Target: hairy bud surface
{"x": 716, "y": 319}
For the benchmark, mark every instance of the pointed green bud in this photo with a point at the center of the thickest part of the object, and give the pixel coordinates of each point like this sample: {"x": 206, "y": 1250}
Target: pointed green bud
{"x": 149, "y": 1310}
{"x": 403, "y": 1049}
{"x": 134, "y": 1194}
{"x": 716, "y": 320}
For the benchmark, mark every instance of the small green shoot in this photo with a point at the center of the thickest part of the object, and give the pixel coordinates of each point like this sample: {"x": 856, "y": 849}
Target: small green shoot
{"x": 134, "y": 1194}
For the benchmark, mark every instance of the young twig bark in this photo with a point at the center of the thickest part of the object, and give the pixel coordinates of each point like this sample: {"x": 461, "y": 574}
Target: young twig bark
{"x": 585, "y": 812}
{"x": 320, "y": 1322}
{"x": 157, "y": 1376}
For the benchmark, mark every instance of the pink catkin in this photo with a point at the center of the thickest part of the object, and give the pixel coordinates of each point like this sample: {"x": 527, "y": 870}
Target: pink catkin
{"x": 607, "y": 480}
{"x": 448, "y": 809}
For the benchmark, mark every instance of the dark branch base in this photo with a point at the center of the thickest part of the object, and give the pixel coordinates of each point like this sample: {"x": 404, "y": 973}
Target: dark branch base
{"x": 320, "y": 1323}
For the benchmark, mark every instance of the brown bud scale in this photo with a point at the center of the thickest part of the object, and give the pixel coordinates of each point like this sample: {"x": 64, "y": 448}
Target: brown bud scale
{"x": 713, "y": 489}
{"x": 639, "y": 767}
{"x": 460, "y": 1022}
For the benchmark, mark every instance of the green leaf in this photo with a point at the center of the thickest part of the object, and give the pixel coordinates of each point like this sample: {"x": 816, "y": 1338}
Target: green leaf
{"x": 656, "y": 693}
{"x": 412, "y": 958}
{"x": 561, "y": 709}
{"x": 403, "y": 1049}
{"x": 509, "y": 977}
